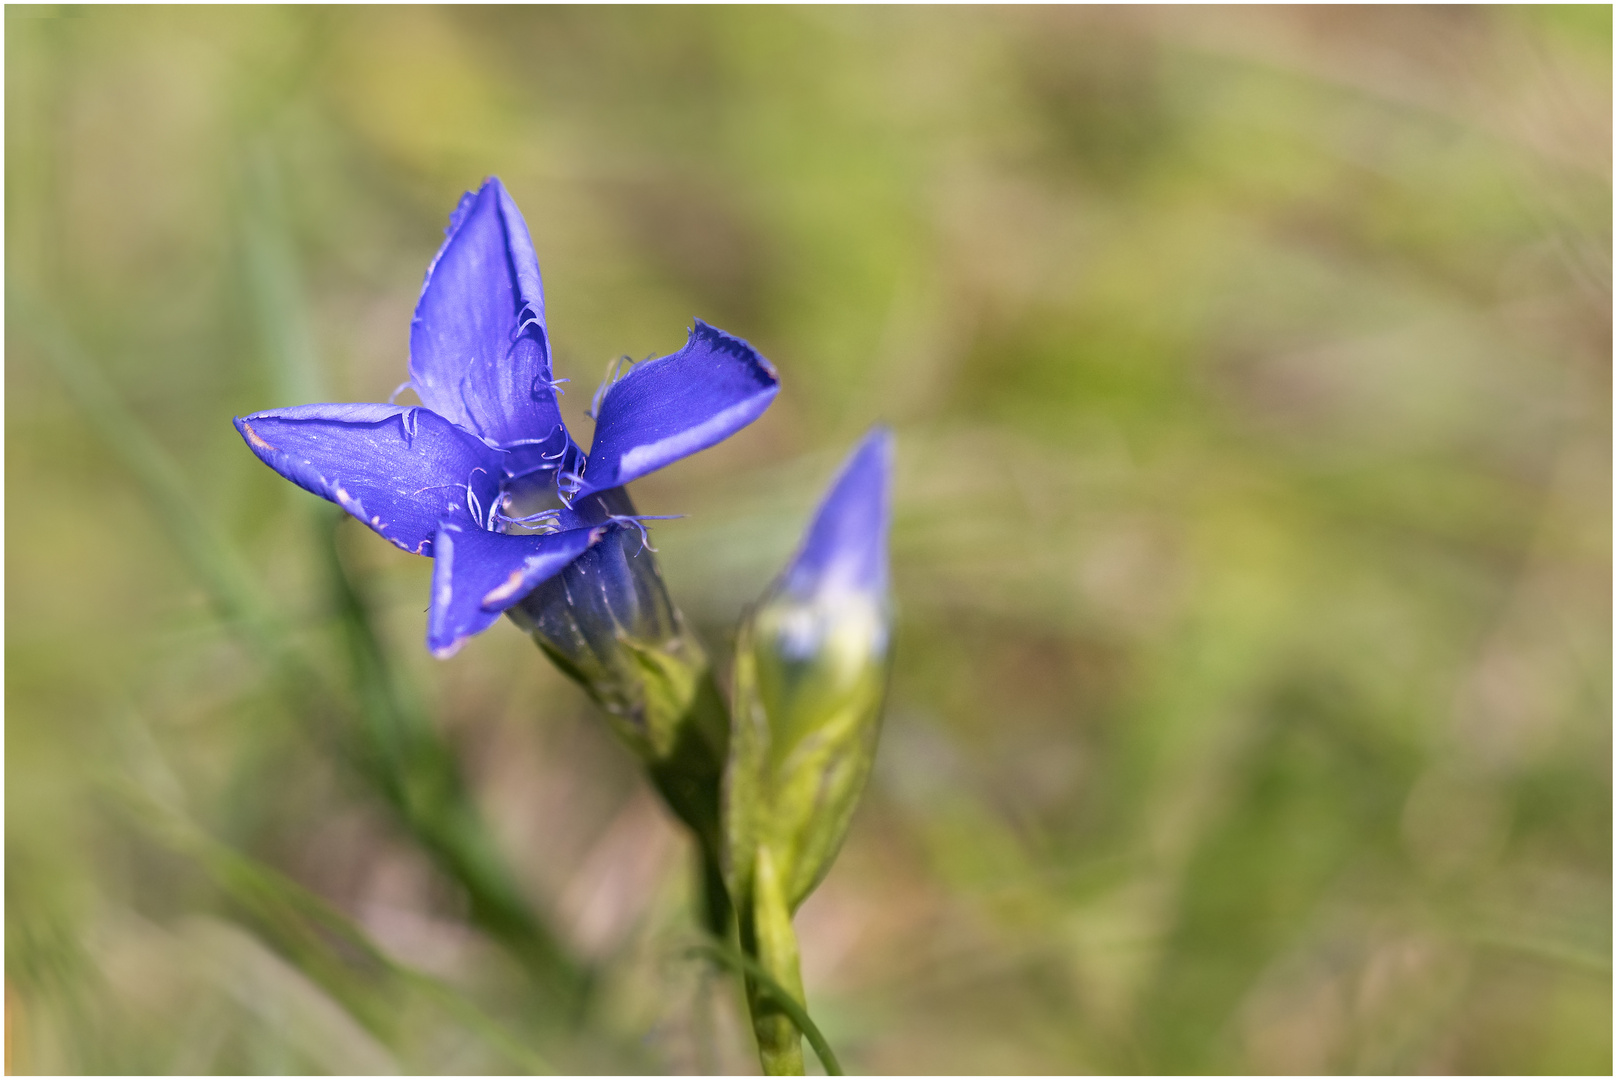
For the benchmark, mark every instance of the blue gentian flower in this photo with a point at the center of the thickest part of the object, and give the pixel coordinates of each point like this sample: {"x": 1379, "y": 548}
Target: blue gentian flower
{"x": 441, "y": 479}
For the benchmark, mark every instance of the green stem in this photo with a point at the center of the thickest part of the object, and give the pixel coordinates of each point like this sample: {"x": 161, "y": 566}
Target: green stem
{"x": 766, "y": 933}
{"x": 745, "y": 965}
{"x": 715, "y": 908}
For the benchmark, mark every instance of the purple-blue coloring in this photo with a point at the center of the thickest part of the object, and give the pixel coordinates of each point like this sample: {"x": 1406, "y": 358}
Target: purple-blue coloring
{"x": 645, "y": 420}
{"x": 844, "y": 552}
{"x": 437, "y": 479}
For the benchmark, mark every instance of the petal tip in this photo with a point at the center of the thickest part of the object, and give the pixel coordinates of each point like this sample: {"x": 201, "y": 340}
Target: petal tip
{"x": 444, "y": 652}
{"x": 254, "y": 440}
{"x": 845, "y": 548}
{"x": 879, "y": 442}
{"x": 676, "y": 405}
{"x": 737, "y": 346}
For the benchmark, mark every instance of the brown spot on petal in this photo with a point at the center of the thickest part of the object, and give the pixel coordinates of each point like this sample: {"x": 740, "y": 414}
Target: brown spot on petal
{"x": 504, "y": 592}
{"x": 252, "y": 437}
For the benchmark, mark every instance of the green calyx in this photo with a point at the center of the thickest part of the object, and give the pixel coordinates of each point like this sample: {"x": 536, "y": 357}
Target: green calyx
{"x": 665, "y": 705}
{"x": 802, "y": 742}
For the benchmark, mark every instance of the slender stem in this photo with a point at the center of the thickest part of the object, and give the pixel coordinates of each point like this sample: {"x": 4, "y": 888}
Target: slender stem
{"x": 745, "y": 965}
{"x": 716, "y": 911}
{"x": 766, "y": 933}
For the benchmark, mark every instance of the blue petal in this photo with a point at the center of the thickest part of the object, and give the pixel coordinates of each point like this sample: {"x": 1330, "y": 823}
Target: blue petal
{"x": 479, "y": 354}
{"x": 477, "y": 574}
{"x": 401, "y": 470}
{"x": 669, "y": 408}
{"x": 845, "y": 549}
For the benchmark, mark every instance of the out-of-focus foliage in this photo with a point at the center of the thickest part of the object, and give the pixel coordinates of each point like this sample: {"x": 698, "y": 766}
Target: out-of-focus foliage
{"x": 1252, "y": 698}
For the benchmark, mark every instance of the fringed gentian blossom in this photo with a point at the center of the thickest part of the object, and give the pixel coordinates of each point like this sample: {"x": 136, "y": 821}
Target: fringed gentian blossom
{"x": 441, "y": 479}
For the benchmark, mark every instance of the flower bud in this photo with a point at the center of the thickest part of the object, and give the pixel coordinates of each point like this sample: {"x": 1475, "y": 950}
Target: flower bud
{"x": 810, "y": 677}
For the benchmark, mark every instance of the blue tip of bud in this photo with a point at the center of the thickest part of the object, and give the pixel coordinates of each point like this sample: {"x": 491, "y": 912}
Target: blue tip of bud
{"x": 844, "y": 552}
{"x": 832, "y": 600}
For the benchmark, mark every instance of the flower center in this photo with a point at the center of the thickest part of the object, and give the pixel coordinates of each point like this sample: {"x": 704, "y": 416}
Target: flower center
{"x": 530, "y": 504}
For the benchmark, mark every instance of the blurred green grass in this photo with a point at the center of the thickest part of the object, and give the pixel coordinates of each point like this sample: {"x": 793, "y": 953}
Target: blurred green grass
{"x": 1251, "y": 375}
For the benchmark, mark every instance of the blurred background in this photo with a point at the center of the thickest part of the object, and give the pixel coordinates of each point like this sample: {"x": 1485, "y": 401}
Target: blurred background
{"x": 1251, "y": 375}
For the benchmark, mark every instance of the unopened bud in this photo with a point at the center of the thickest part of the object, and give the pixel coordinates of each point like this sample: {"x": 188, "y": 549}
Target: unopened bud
{"x": 810, "y": 677}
